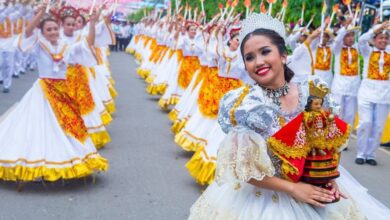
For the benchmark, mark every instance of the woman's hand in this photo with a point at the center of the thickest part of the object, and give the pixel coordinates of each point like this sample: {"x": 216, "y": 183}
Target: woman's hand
{"x": 336, "y": 191}
{"x": 311, "y": 194}
{"x": 381, "y": 27}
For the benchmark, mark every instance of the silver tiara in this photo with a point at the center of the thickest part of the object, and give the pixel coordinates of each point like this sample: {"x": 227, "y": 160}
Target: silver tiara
{"x": 256, "y": 21}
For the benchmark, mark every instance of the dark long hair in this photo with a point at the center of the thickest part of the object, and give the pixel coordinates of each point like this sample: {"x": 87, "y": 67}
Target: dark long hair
{"x": 44, "y": 21}
{"x": 309, "y": 101}
{"x": 276, "y": 40}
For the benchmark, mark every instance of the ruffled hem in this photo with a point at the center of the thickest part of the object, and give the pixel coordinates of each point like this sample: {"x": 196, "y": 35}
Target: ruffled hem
{"x": 189, "y": 142}
{"x": 143, "y": 73}
{"x": 130, "y": 51}
{"x": 89, "y": 165}
{"x": 110, "y": 106}
{"x": 106, "y": 118}
{"x": 201, "y": 169}
{"x": 173, "y": 114}
{"x": 150, "y": 79}
{"x": 165, "y": 103}
{"x": 156, "y": 89}
{"x": 100, "y": 139}
{"x": 111, "y": 80}
{"x": 113, "y": 91}
{"x": 138, "y": 57}
{"x": 178, "y": 125}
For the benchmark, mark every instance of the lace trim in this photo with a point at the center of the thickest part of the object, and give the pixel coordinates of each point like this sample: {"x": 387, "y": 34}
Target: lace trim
{"x": 242, "y": 157}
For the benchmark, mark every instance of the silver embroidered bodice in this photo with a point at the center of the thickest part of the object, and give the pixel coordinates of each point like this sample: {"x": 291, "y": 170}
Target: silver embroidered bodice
{"x": 257, "y": 112}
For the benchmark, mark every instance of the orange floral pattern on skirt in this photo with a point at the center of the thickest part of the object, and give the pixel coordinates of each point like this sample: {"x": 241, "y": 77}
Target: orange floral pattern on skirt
{"x": 187, "y": 69}
{"x": 213, "y": 89}
{"x": 78, "y": 88}
{"x": 156, "y": 53}
{"x": 66, "y": 110}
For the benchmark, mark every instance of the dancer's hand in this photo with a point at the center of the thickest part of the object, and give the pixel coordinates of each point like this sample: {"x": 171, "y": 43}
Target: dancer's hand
{"x": 336, "y": 191}
{"x": 310, "y": 194}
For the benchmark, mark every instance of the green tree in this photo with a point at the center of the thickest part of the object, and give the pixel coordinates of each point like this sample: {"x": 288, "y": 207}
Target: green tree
{"x": 293, "y": 13}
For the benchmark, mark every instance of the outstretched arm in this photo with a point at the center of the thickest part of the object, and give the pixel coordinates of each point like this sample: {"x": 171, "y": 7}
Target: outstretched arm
{"x": 36, "y": 20}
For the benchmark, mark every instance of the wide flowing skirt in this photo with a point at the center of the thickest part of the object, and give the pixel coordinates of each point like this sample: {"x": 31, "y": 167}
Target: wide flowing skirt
{"x": 242, "y": 201}
{"x": 39, "y": 142}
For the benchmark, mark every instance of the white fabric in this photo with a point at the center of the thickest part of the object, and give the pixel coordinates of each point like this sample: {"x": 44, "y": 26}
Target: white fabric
{"x": 7, "y": 66}
{"x": 372, "y": 120}
{"x": 343, "y": 85}
{"x": 348, "y": 107}
{"x": 31, "y": 132}
{"x": 376, "y": 91}
{"x": 76, "y": 53}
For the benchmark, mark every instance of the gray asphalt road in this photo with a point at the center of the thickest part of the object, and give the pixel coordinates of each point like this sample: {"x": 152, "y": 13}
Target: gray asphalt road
{"x": 147, "y": 178}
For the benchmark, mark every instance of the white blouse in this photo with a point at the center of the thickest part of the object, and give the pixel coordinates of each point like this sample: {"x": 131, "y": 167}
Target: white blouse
{"x": 75, "y": 53}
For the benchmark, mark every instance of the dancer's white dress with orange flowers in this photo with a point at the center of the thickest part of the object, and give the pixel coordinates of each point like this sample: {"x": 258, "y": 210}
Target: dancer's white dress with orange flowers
{"x": 44, "y": 136}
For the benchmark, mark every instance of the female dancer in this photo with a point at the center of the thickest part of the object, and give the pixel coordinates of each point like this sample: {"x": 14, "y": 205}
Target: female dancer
{"x": 45, "y": 136}
{"x": 250, "y": 181}
{"x": 79, "y": 82}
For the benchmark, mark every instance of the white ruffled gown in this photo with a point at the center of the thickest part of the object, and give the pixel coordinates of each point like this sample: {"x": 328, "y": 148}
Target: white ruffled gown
{"x": 244, "y": 155}
{"x": 33, "y": 142}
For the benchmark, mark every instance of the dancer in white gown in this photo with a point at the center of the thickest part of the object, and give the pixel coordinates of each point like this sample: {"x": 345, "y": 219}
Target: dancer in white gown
{"x": 45, "y": 136}
{"x": 250, "y": 182}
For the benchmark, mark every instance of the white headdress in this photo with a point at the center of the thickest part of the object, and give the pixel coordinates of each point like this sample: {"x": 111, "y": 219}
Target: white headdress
{"x": 256, "y": 21}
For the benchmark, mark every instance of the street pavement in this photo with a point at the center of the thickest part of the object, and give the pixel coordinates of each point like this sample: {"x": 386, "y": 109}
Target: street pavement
{"x": 147, "y": 178}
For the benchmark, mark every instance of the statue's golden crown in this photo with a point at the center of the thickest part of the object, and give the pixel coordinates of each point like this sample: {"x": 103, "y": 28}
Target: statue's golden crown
{"x": 319, "y": 91}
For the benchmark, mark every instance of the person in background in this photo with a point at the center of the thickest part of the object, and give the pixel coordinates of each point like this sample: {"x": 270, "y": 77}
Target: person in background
{"x": 123, "y": 36}
{"x": 116, "y": 28}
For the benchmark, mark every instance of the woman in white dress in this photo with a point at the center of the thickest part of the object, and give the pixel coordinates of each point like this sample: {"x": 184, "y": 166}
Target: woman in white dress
{"x": 45, "y": 135}
{"x": 249, "y": 177}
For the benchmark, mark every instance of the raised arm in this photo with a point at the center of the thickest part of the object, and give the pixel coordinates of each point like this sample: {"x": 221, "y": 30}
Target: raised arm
{"x": 35, "y": 21}
{"x": 92, "y": 31}
{"x": 364, "y": 46}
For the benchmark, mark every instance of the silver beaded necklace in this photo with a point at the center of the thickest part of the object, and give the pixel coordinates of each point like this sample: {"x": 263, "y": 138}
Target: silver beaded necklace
{"x": 275, "y": 94}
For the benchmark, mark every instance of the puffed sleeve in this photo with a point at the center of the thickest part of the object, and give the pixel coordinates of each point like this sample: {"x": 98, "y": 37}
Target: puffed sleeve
{"x": 225, "y": 105}
{"x": 81, "y": 53}
{"x": 243, "y": 153}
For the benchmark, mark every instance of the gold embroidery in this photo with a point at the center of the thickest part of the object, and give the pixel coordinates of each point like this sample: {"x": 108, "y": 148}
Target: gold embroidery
{"x": 323, "y": 63}
{"x": 65, "y": 108}
{"x": 212, "y": 90}
{"x": 229, "y": 62}
{"x": 56, "y": 57}
{"x": 78, "y": 88}
{"x": 236, "y": 105}
{"x": 373, "y": 68}
{"x": 347, "y": 69}
{"x": 187, "y": 69}
{"x": 5, "y": 28}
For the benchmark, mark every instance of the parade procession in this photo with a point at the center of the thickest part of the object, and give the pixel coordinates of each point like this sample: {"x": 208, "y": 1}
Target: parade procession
{"x": 244, "y": 110}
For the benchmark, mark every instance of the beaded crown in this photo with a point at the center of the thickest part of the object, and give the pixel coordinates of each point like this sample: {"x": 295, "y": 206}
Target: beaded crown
{"x": 256, "y": 21}
{"x": 68, "y": 11}
{"x": 319, "y": 91}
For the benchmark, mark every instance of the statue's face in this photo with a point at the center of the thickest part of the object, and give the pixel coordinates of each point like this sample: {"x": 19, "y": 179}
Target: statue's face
{"x": 316, "y": 105}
